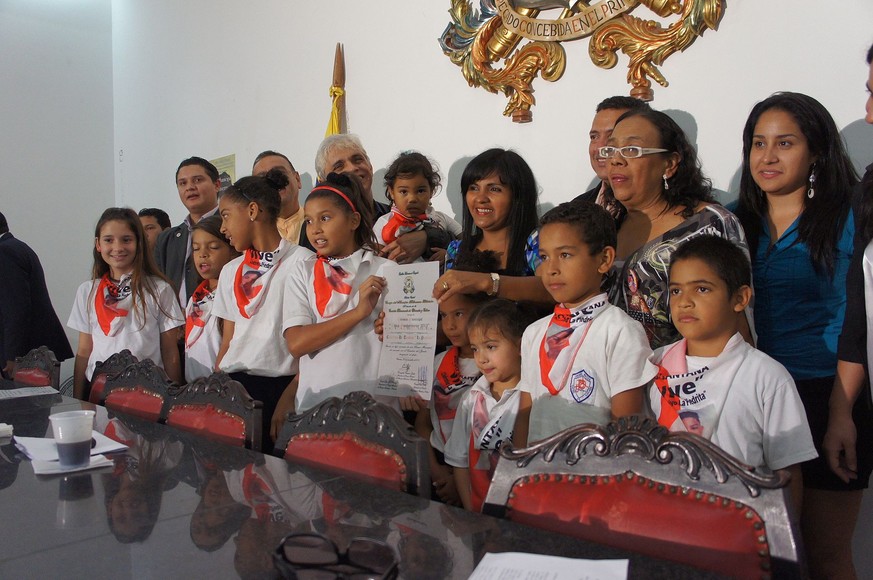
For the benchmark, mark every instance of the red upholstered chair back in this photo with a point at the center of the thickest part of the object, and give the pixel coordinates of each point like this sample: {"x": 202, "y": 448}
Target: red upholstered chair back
{"x": 103, "y": 369}
{"x": 635, "y": 486}
{"x": 361, "y": 438}
{"x": 219, "y": 408}
{"x": 141, "y": 389}
{"x": 38, "y": 368}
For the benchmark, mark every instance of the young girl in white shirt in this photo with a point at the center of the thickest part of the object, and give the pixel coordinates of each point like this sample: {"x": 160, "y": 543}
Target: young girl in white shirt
{"x": 250, "y": 292}
{"x": 486, "y": 416}
{"x": 127, "y": 304}
{"x": 333, "y": 298}
{"x": 410, "y": 183}
{"x": 210, "y": 251}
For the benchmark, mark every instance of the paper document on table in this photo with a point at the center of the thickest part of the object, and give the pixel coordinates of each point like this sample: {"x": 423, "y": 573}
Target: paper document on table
{"x": 521, "y": 566}
{"x": 27, "y": 392}
{"x": 409, "y": 338}
{"x": 45, "y": 448}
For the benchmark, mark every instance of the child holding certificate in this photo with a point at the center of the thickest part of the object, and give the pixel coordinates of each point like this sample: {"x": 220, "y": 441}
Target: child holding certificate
{"x": 332, "y": 299}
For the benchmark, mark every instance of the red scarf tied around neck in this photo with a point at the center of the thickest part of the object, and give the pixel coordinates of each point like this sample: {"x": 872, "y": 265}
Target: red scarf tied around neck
{"x": 112, "y": 303}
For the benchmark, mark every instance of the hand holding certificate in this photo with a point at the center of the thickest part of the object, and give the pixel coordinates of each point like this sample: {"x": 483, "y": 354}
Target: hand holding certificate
{"x": 409, "y": 339}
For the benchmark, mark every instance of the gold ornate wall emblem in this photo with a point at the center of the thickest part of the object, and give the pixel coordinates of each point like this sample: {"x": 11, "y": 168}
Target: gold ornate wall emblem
{"x": 477, "y": 40}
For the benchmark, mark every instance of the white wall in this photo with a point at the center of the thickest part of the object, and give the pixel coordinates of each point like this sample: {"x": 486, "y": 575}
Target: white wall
{"x": 212, "y": 77}
{"x": 56, "y": 172}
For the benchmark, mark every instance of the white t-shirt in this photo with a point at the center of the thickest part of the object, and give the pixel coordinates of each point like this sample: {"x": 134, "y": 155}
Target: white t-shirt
{"x": 142, "y": 338}
{"x": 355, "y": 356}
{"x": 745, "y": 402}
{"x": 444, "y": 418}
{"x": 612, "y": 359}
{"x": 257, "y": 346}
{"x": 200, "y": 356}
{"x": 457, "y": 449}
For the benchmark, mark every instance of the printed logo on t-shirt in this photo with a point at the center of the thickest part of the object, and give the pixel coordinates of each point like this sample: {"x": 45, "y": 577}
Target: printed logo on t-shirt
{"x": 581, "y": 386}
{"x": 685, "y": 387}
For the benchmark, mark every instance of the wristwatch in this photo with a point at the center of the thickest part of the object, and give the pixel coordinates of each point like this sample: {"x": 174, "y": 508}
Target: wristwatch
{"x": 495, "y": 284}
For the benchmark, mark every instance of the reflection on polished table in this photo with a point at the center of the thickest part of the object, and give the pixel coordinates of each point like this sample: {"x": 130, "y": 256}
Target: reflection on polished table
{"x": 175, "y": 505}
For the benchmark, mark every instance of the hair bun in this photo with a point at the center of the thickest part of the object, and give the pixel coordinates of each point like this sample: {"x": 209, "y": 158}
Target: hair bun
{"x": 342, "y": 179}
{"x": 277, "y": 179}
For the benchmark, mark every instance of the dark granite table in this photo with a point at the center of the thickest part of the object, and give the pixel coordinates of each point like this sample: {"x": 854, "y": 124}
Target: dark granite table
{"x": 175, "y": 505}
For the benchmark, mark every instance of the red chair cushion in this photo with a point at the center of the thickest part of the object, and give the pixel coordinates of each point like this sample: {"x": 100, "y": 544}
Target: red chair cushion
{"x": 32, "y": 377}
{"x": 641, "y": 515}
{"x": 349, "y": 455}
{"x": 97, "y": 386}
{"x": 209, "y": 422}
{"x": 137, "y": 401}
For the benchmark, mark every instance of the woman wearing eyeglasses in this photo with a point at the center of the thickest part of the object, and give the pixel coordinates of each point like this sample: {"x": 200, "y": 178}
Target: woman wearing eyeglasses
{"x": 654, "y": 172}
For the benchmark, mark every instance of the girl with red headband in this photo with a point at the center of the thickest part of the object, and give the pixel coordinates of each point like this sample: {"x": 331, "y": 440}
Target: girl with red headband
{"x": 332, "y": 299}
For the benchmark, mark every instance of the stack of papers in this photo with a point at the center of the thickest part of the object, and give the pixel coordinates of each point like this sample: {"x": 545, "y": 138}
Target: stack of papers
{"x": 43, "y": 453}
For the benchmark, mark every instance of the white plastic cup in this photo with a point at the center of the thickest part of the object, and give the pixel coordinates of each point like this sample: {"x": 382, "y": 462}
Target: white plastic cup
{"x": 72, "y": 431}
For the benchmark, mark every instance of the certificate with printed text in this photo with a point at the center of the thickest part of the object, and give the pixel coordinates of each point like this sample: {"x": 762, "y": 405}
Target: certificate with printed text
{"x": 409, "y": 339}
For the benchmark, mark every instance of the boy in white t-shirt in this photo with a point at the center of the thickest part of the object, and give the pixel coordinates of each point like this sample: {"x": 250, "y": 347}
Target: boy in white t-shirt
{"x": 712, "y": 382}
{"x": 587, "y": 362}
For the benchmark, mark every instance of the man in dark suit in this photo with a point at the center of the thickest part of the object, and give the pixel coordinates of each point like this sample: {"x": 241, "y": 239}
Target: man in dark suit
{"x": 27, "y": 318}
{"x": 198, "y": 184}
{"x": 608, "y": 111}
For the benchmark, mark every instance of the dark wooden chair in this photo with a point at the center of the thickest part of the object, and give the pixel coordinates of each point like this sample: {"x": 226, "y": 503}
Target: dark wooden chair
{"x": 38, "y": 368}
{"x": 141, "y": 389}
{"x": 636, "y": 486}
{"x": 103, "y": 369}
{"x": 219, "y": 408}
{"x": 361, "y": 438}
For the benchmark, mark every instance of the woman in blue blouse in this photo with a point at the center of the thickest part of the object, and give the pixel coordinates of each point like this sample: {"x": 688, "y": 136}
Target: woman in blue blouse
{"x": 794, "y": 207}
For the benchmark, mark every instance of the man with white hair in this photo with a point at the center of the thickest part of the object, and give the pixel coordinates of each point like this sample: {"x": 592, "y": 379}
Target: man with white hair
{"x": 345, "y": 154}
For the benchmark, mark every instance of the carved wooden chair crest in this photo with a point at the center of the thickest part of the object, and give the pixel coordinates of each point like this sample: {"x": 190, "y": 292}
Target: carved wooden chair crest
{"x": 38, "y": 368}
{"x": 219, "y": 408}
{"x": 117, "y": 362}
{"x": 359, "y": 437}
{"x": 140, "y": 389}
{"x": 635, "y": 485}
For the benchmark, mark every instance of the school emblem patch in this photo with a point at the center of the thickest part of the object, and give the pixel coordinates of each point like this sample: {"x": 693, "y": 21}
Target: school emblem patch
{"x": 581, "y": 386}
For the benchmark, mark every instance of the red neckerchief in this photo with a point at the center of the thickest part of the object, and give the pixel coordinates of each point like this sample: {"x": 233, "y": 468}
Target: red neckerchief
{"x": 329, "y": 279}
{"x": 564, "y": 324}
{"x": 672, "y": 363}
{"x": 449, "y": 372}
{"x": 252, "y": 278}
{"x": 399, "y": 224}
{"x": 198, "y": 312}
{"x": 449, "y": 381}
{"x": 110, "y": 297}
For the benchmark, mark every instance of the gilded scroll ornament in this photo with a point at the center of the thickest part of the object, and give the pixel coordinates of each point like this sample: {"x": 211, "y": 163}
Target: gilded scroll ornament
{"x": 477, "y": 41}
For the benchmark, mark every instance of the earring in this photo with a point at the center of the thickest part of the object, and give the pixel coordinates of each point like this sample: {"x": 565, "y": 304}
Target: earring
{"x": 810, "y": 193}
{"x": 666, "y": 185}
